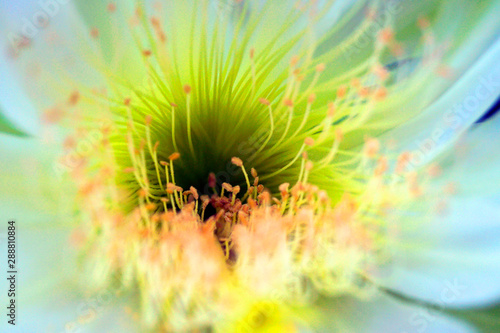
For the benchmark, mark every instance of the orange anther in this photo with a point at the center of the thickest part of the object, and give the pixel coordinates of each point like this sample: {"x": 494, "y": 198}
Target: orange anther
{"x": 341, "y": 92}
{"x": 264, "y": 101}
{"x": 288, "y": 102}
{"x": 237, "y": 161}
{"x": 311, "y": 98}
{"x": 320, "y": 68}
{"x": 309, "y": 141}
{"x": 174, "y": 156}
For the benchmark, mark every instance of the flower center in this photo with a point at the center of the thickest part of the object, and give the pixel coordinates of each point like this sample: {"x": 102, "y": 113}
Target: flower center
{"x": 176, "y": 204}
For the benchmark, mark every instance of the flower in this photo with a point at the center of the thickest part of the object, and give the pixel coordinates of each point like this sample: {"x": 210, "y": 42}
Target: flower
{"x": 252, "y": 166}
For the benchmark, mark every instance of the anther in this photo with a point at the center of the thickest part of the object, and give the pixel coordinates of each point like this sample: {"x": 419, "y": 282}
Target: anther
{"x": 237, "y": 161}
{"x": 364, "y": 91}
{"x": 341, "y": 92}
{"x": 423, "y": 23}
{"x": 194, "y": 192}
{"x": 151, "y": 206}
{"x": 284, "y": 188}
{"x": 256, "y": 181}
{"x": 94, "y": 32}
{"x": 355, "y": 82}
{"x": 111, "y": 7}
{"x": 236, "y": 189}
{"x": 434, "y": 170}
{"x": 320, "y": 68}
{"x": 381, "y": 72}
{"x": 381, "y": 167}
{"x": 253, "y": 172}
{"x": 311, "y": 98}
{"x": 331, "y": 109}
{"x": 264, "y": 101}
{"x": 372, "y": 147}
{"x": 380, "y": 93}
{"x": 309, "y": 141}
{"x": 338, "y": 134}
{"x": 227, "y": 187}
{"x": 212, "y": 182}
{"x": 73, "y": 98}
{"x": 174, "y": 156}
{"x": 386, "y": 35}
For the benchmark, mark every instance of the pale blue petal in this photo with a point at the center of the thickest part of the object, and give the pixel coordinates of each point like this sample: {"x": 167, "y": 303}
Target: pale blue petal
{"x": 49, "y": 280}
{"x": 49, "y": 66}
{"x": 15, "y": 103}
{"x": 386, "y": 314}
{"x": 454, "y": 259}
{"x": 453, "y": 113}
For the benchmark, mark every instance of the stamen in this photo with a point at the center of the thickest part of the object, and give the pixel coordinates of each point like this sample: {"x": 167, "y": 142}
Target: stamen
{"x": 252, "y": 64}
{"x": 271, "y": 126}
{"x": 173, "y": 126}
{"x": 187, "y": 91}
{"x": 238, "y": 162}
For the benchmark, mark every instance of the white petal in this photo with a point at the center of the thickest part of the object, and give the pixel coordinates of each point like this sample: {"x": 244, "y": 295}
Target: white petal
{"x": 384, "y": 314}
{"x": 453, "y": 113}
{"x": 454, "y": 259}
{"x": 44, "y": 69}
{"x": 15, "y": 103}
{"x": 48, "y": 290}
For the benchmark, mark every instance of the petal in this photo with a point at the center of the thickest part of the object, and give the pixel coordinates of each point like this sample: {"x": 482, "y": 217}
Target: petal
{"x": 45, "y": 46}
{"x": 30, "y": 186}
{"x": 15, "y": 105}
{"x": 48, "y": 290}
{"x": 454, "y": 258}
{"x": 426, "y": 105}
{"x": 382, "y": 313}
{"x": 453, "y": 113}
{"x": 7, "y": 127}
